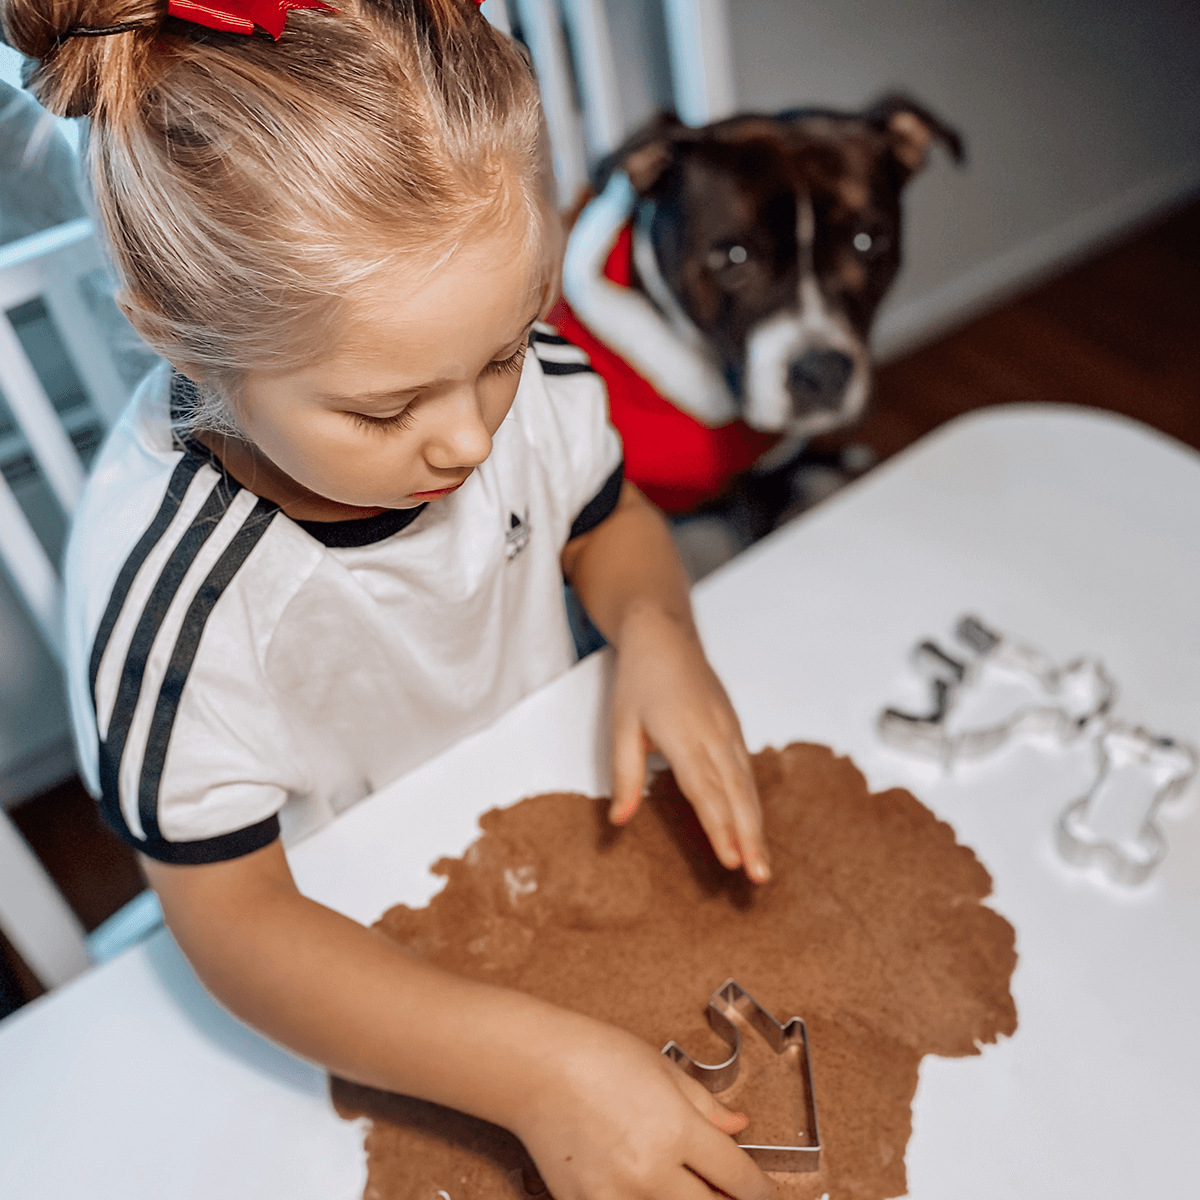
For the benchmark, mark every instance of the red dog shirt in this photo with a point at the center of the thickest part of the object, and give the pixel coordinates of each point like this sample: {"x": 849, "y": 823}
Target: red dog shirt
{"x": 678, "y": 462}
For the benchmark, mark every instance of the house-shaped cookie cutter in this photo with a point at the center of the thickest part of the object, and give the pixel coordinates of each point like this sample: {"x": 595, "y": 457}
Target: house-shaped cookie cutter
{"x": 1068, "y": 700}
{"x": 732, "y": 1000}
{"x": 1136, "y": 765}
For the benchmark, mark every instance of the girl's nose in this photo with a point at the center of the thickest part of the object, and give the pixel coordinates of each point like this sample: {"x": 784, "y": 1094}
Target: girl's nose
{"x": 457, "y": 436}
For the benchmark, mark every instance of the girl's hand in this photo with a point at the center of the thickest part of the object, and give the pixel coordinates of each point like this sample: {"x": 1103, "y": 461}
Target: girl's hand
{"x": 619, "y": 1122}
{"x": 666, "y": 695}
{"x": 629, "y": 577}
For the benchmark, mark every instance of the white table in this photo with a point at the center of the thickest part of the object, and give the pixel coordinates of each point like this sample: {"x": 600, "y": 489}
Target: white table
{"x": 1075, "y": 530}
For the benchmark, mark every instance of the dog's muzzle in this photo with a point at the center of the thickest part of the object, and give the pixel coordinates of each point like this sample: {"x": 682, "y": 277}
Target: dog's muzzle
{"x": 817, "y": 381}
{"x": 806, "y": 373}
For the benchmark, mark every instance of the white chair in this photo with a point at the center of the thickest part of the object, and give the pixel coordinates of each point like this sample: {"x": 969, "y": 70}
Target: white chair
{"x": 572, "y": 49}
{"x": 44, "y": 282}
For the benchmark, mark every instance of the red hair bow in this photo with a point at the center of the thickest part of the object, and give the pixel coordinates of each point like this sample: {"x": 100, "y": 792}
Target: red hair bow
{"x": 241, "y": 16}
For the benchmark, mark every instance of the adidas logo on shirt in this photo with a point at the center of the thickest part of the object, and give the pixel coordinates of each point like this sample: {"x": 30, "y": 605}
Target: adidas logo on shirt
{"x": 516, "y": 537}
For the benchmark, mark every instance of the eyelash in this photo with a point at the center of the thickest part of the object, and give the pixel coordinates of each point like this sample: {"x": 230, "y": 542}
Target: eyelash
{"x": 404, "y": 419}
{"x": 401, "y": 420}
{"x": 511, "y": 365}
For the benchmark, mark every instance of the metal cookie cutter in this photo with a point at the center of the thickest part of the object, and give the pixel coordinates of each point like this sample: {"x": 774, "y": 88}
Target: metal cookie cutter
{"x": 1065, "y": 700}
{"x": 1139, "y": 772}
{"x": 732, "y": 999}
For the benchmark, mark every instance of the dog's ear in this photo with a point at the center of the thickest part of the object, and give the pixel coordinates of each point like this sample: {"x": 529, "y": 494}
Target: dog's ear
{"x": 645, "y": 155}
{"x": 913, "y": 129}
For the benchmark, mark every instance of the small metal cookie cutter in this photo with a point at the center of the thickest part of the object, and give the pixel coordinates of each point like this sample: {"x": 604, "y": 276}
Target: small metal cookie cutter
{"x": 1138, "y": 768}
{"x": 732, "y": 999}
{"x": 1067, "y": 700}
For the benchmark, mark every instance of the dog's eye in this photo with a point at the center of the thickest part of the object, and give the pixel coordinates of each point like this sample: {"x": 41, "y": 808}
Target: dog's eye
{"x": 870, "y": 245}
{"x": 721, "y": 257}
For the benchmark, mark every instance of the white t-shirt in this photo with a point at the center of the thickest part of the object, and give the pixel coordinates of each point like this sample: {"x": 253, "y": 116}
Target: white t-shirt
{"x": 232, "y": 671}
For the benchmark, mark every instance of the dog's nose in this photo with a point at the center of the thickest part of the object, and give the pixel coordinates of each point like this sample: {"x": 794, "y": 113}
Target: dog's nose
{"x": 817, "y": 380}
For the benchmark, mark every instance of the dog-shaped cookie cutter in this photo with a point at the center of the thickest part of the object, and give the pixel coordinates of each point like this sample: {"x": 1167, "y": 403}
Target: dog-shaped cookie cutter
{"x": 1074, "y": 700}
{"x": 1069, "y": 700}
{"x": 728, "y": 1001}
{"x": 1156, "y": 769}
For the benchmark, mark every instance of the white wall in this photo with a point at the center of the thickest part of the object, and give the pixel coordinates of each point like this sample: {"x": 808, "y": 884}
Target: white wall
{"x": 1081, "y": 118}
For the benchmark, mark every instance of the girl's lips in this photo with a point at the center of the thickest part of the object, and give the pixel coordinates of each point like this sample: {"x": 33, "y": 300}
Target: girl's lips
{"x": 436, "y": 494}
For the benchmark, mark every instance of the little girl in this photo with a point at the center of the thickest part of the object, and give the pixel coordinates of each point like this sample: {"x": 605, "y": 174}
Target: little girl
{"x": 331, "y": 540}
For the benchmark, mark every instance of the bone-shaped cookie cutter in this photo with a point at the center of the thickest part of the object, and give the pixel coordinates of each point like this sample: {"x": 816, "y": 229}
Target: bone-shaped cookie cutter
{"x": 1134, "y": 764}
{"x": 728, "y": 1001}
{"x": 1070, "y": 698}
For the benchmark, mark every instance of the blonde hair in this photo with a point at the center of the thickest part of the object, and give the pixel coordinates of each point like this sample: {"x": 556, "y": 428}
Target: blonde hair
{"x": 246, "y": 186}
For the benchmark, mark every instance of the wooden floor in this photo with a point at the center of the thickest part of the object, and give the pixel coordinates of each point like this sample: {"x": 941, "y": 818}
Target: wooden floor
{"x": 1121, "y": 332}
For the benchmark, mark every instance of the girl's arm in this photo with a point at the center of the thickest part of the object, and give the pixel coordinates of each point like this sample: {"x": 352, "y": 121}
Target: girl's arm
{"x": 629, "y": 577}
{"x": 604, "y": 1116}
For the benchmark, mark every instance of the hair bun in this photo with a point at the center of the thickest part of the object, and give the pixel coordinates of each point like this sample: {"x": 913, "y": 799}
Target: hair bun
{"x": 77, "y": 75}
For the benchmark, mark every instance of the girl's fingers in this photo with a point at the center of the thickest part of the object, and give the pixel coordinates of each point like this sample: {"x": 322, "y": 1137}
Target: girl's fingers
{"x": 629, "y": 770}
{"x": 707, "y": 1105}
{"x": 712, "y": 808}
{"x": 748, "y": 826}
{"x": 726, "y": 801}
{"x": 690, "y": 1185}
{"x": 721, "y": 1164}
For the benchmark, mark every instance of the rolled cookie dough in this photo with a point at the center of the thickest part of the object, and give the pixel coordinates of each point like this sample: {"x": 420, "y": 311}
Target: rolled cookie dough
{"x": 872, "y": 929}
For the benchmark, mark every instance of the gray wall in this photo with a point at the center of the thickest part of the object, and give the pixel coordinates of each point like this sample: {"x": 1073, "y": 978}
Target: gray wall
{"x": 1081, "y": 118}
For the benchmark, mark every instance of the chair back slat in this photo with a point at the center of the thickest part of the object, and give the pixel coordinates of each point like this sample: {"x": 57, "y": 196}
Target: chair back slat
{"x": 543, "y": 34}
{"x": 35, "y": 917}
{"x": 701, "y": 59}
{"x": 55, "y": 267}
{"x": 571, "y": 45}
{"x": 38, "y": 421}
{"x": 31, "y": 570}
{"x": 603, "y": 123}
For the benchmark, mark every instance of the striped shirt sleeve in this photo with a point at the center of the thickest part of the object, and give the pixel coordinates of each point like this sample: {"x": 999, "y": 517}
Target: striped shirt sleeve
{"x": 142, "y": 661}
{"x": 589, "y": 449}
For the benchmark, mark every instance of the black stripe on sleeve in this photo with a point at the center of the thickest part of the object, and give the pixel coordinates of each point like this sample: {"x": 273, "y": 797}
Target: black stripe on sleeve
{"x": 205, "y": 850}
{"x": 549, "y": 339}
{"x": 601, "y": 505}
{"x": 177, "y": 487}
{"x": 565, "y": 368}
{"x": 184, "y": 654}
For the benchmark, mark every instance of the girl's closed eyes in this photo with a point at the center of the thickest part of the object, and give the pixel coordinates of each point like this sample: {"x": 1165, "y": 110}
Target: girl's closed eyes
{"x": 406, "y": 417}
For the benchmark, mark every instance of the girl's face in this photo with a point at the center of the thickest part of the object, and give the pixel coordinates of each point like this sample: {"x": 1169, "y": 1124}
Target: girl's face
{"x": 406, "y": 406}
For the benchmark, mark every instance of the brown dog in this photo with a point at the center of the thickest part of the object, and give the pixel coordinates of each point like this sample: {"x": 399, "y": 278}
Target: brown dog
{"x": 759, "y": 249}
